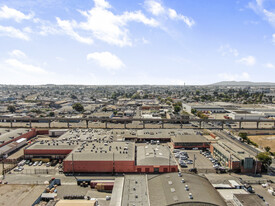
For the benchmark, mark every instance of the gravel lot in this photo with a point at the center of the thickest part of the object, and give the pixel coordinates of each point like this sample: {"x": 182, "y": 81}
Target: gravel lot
{"x": 19, "y": 194}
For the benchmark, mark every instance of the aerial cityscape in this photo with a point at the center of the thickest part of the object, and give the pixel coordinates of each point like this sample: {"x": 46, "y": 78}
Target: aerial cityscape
{"x": 137, "y": 103}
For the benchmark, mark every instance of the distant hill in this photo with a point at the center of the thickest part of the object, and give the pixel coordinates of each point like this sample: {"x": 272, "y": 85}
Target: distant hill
{"x": 242, "y": 83}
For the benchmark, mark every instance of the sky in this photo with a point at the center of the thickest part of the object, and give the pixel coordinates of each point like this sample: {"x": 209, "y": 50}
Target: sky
{"x": 122, "y": 42}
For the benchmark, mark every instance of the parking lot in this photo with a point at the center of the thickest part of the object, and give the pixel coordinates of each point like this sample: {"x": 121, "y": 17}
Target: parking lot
{"x": 196, "y": 160}
{"x": 36, "y": 168}
{"x": 264, "y": 193}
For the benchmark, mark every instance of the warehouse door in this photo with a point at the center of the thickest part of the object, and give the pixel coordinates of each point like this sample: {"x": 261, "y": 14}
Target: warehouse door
{"x": 139, "y": 170}
{"x": 165, "y": 170}
{"x": 156, "y": 170}
{"x": 147, "y": 170}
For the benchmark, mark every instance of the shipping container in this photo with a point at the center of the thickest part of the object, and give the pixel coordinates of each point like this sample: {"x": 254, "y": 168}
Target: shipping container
{"x": 106, "y": 187}
{"x": 93, "y": 183}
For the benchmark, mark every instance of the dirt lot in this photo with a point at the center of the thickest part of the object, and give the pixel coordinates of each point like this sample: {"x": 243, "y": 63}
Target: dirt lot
{"x": 264, "y": 140}
{"x": 20, "y": 194}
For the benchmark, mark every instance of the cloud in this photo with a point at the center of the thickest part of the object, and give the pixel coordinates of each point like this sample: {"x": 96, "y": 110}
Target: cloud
{"x": 269, "y": 65}
{"x": 106, "y": 60}
{"x": 258, "y": 7}
{"x": 104, "y": 25}
{"x": 67, "y": 27}
{"x": 248, "y": 61}
{"x": 10, "y": 13}
{"x": 273, "y": 38}
{"x": 13, "y": 32}
{"x": 234, "y": 77}
{"x": 157, "y": 9}
{"x": 18, "y": 65}
{"x": 102, "y": 4}
{"x": 17, "y": 53}
{"x": 226, "y": 50}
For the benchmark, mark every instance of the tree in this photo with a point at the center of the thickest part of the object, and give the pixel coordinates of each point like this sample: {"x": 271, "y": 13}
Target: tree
{"x": 78, "y": 107}
{"x": 265, "y": 158}
{"x": 177, "y": 108}
{"x": 11, "y": 108}
{"x": 193, "y": 111}
{"x": 243, "y": 135}
{"x": 51, "y": 114}
{"x": 267, "y": 149}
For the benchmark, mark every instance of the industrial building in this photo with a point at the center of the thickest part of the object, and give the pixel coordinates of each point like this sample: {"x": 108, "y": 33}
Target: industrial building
{"x": 234, "y": 157}
{"x": 190, "y": 141}
{"x": 81, "y": 155}
{"x": 8, "y": 135}
{"x": 164, "y": 189}
{"x": 155, "y": 159}
{"x": 101, "y": 157}
{"x": 202, "y": 108}
{"x": 49, "y": 149}
{"x": 245, "y": 115}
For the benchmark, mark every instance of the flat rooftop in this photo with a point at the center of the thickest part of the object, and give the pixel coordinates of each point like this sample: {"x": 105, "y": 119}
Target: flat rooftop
{"x": 154, "y": 155}
{"x": 227, "y": 149}
{"x": 50, "y": 145}
{"x": 12, "y": 134}
{"x": 250, "y": 199}
{"x": 87, "y": 135}
{"x": 167, "y": 189}
{"x": 189, "y": 138}
{"x": 114, "y": 151}
{"x": 135, "y": 190}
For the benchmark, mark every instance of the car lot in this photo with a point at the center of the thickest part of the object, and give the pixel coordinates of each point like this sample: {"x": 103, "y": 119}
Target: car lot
{"x": 269, "y": 198}
{"x": 193, "y": 159}
{"x": 37, "y": 167}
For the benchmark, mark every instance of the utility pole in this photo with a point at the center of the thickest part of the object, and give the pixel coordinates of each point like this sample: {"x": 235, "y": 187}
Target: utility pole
{"x": 73, "y": 163}
{"x": 113, "y": 163}
{"x": 194, "y": 161}
{"x": 169, "y": 160}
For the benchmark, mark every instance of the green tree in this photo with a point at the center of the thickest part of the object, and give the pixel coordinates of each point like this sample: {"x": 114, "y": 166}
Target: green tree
{"x": 11, "y": 108}
{"x": 177, "y": 108}
{"x": 267, "y": 149}
{"x": 51, "y": 114}
{"x": 265, "y": 158}
{"x": 78, "y": 107}
{"x": 243, "y": 135}
{"x": 193, "y": 111}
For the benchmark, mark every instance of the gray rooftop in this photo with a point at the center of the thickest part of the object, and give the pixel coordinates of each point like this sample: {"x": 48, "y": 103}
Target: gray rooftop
{"x": 135, "y": 190}
{"x": 123, "y": 151}
{"x": 189, "y": 138}
{"x": 249, "y": 199}
{"x": 12, "y": 134}
{"x": 50, "y": 145}
{"x": 154, "y": 155}
{"x": 167, "y": 189}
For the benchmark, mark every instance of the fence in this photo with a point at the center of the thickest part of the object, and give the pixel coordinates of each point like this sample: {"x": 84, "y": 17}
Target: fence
{"x": 37, "y": 171}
